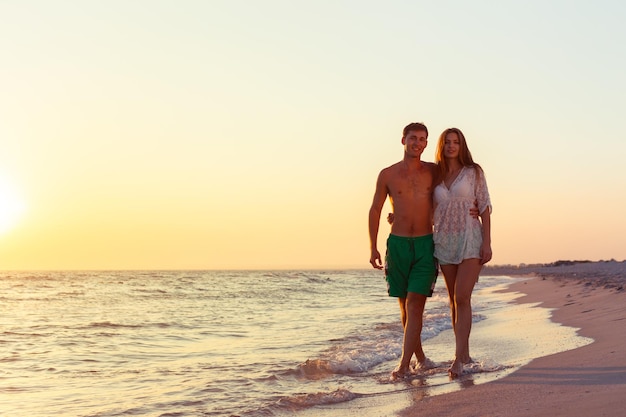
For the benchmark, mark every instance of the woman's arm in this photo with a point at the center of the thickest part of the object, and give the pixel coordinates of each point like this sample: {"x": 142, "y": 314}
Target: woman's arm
{"x": 485, "y": 249}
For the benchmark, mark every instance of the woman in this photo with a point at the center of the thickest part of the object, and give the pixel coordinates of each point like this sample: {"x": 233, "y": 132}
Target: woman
{"x": 462, "y": 242}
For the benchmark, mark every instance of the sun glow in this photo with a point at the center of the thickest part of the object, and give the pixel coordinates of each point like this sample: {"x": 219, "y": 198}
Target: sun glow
{"x": 11, "y": 207}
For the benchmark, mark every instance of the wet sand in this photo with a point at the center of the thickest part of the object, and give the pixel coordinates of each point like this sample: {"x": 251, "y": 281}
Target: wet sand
{"x": 588, "y": 381}
{"x": 586, "y": 298}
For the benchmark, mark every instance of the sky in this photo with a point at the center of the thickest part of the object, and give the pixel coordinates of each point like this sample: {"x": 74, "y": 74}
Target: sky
{"x": 244, "y": 134}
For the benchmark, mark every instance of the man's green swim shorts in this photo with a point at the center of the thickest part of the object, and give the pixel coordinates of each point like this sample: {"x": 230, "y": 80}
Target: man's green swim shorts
{"x": 410, "y": 265}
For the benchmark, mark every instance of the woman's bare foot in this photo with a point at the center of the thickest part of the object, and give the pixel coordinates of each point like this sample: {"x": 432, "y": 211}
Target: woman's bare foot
{"x": 456, "y": 370}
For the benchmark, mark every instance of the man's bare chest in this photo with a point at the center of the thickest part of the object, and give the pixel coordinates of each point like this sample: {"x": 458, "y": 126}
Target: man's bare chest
{"x": 411, "y": 187}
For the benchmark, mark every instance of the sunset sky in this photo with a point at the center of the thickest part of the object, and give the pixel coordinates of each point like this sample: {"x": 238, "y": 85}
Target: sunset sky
{"x": 249, "y": 134}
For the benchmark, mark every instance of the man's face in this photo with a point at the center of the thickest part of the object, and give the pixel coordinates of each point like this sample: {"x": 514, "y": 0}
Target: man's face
{"x": 415, "y": 142}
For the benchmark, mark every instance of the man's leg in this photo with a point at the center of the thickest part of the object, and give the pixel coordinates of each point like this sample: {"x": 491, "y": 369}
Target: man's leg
{"x": 414, "y": 307}
{"x": 402, "y": 303}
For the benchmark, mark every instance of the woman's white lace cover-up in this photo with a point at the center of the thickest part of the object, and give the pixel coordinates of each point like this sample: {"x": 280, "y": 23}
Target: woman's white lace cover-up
{"x": 457, "y": 234}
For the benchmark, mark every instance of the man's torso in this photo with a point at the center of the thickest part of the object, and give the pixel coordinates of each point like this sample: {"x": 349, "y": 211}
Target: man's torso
{"x": 410, "y": 193}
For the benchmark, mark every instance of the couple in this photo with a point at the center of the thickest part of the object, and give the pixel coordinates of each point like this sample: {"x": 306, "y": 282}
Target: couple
{"x": 461, "y": 243}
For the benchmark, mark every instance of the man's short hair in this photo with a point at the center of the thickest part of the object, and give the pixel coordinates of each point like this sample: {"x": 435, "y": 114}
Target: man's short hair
{"x": 414, "y": 126}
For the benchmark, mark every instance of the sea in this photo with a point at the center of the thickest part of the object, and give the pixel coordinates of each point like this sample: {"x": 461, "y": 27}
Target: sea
{"x": 216, "y": 343}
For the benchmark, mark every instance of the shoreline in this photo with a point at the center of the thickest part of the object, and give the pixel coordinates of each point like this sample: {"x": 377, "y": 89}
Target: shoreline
{"x": 585, "y": 298}
{"x": 587, "y": 381}
{"x": 607, "y": 274}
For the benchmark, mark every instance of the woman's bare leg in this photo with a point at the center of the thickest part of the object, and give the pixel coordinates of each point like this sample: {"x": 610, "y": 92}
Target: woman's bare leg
{"x": 449, "y": 275}
{"x": 460, "y": 280}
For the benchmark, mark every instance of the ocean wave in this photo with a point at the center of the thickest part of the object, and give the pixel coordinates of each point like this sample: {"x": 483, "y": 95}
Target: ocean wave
{"x": 110, "y": 325}
{"x": 486, "y": 365}
{"x": 355, "y": 354}
{"x": 319, "y": 398}
{"x": 300, "y": 402}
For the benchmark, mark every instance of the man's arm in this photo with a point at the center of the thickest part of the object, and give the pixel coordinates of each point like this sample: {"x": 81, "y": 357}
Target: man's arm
{"x": 380, "y": 195}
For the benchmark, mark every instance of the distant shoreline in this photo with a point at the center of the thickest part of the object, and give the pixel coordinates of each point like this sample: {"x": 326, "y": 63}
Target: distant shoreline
{"x": 608, "y": 274}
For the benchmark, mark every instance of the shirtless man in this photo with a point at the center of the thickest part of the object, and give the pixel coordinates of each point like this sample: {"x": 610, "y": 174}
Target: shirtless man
{"x": 410, "y": 268}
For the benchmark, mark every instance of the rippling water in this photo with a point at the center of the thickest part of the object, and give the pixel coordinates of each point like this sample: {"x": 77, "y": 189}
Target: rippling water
{"x": 196, "y": 343}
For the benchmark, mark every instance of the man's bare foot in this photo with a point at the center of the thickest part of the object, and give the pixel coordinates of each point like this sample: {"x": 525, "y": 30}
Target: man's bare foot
{"x": 425, "y": 365}
{"x": 400, "y": 373}
{"x": 456, "y": 370}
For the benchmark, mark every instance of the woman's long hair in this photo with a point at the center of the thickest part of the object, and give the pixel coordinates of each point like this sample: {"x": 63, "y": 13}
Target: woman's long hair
{"x": 465, "y": 156}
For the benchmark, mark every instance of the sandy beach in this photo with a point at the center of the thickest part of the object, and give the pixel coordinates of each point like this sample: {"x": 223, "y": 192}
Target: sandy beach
{"x": 588, "y": 381}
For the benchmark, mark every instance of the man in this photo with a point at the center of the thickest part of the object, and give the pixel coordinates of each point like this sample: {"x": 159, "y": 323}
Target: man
{"x": 410, "y": 268}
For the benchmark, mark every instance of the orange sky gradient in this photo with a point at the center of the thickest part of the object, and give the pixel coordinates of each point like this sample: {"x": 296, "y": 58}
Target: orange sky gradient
{"x": 207, "y": 135}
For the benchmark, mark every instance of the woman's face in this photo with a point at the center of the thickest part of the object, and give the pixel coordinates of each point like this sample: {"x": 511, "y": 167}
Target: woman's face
{"x": 451, "y": 145}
